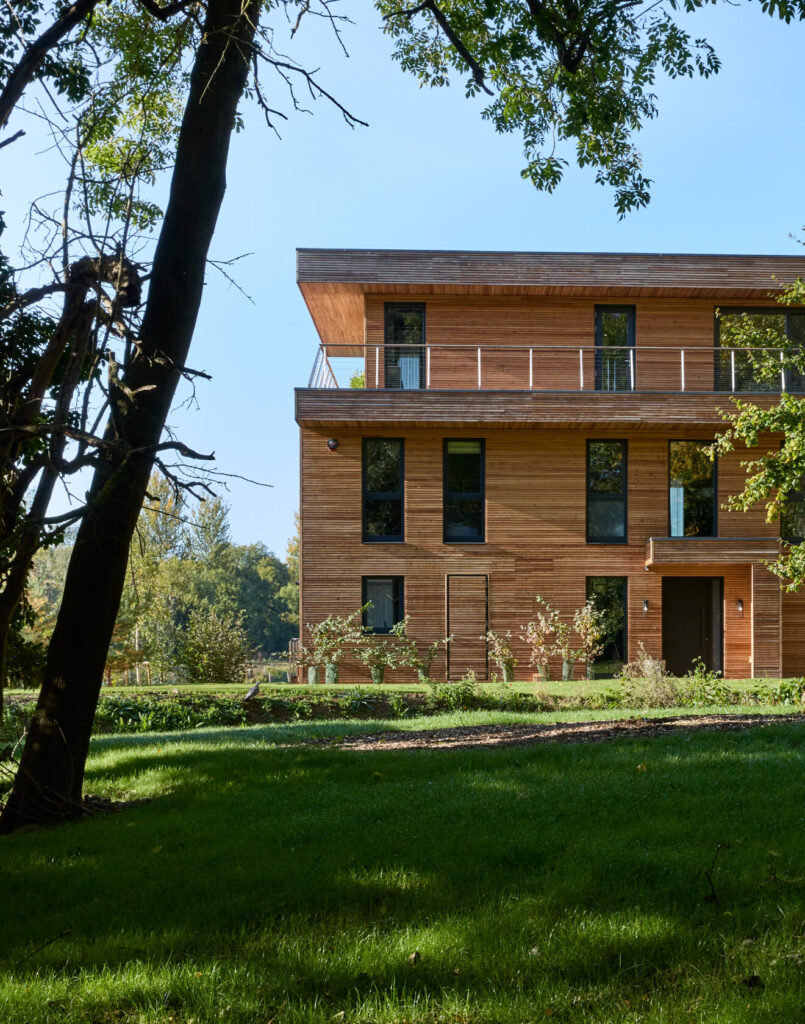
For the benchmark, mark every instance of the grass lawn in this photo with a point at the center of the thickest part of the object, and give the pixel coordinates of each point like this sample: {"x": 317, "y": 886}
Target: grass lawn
{"x": 562, "y": 883}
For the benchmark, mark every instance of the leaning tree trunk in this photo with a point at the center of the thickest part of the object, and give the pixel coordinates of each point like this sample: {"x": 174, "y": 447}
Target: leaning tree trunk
{"x": 49, "y": 781}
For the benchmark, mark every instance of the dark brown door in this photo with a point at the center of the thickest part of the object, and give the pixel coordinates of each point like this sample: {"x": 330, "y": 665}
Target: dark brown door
{"x": 467, "y": 619}
{"x": 691, "y": 622}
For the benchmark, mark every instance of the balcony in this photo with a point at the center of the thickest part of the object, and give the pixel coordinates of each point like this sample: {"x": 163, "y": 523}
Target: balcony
{"x": 546, "y": 369}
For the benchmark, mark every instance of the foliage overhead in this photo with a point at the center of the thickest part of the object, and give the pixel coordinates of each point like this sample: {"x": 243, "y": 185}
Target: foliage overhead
{"x": 565, "y": 75}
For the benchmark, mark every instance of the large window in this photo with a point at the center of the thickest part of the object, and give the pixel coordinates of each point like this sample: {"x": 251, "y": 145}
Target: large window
{"x": 383, "y": 489}
{"x": 792, "y": 523}
{"x": 614, "y": 348}
{"x": 405, "y": 345}
{"x": 383, "y": 600}
{"x": 606, "y": 492}
{"x": 776, "y": 330}
{"x": 608, "y": 593}
{"x": 463, "y": 492}
{"x": 692, "y": 490}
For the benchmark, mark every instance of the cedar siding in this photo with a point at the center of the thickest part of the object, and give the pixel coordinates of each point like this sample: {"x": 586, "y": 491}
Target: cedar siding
{"x": 535, "y": 435}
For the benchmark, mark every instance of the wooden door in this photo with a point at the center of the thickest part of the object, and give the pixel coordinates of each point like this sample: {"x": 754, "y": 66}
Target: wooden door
{"x": 467, "y": 623}
{"x": 691, "y": 622}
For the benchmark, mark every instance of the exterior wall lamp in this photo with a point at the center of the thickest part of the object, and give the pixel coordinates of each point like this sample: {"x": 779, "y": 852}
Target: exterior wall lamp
{"x": 645, "y": 607}
{"x": 332, "y": 444}
{"x": 740, "y": 608}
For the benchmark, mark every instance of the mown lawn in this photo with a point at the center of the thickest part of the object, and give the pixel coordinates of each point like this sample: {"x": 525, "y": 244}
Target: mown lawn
{"x": 278, "y": 884}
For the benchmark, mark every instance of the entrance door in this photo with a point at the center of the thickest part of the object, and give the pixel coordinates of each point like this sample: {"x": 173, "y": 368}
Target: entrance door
{"x": 467, "y": 620}
{"x": 691, "y": 622}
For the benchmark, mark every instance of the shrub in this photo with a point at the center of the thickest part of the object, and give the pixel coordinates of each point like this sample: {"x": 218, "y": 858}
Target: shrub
{"x": 215, "y": 648}
{"x": 500, "y": 651}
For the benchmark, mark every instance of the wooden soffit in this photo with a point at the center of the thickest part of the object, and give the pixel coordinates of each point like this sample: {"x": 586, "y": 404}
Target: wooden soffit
{"x": 674, "y": 552}
{"x": 334, "y": 282}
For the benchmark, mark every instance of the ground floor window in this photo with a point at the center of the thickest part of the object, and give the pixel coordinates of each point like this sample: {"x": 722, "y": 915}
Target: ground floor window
{"x": 609, "y": 594}
{"x": 383, "y": 596}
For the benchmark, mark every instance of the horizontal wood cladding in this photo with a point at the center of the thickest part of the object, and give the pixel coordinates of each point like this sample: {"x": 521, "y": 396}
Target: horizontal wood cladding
{"x": 506, "y": 409}
{"x": 334, "y": 282}
{"x": 793, "y": 611}
{"x": 665, "y": 551}
{"x": 535, "y": 529}
{"x": 766, "y": 624}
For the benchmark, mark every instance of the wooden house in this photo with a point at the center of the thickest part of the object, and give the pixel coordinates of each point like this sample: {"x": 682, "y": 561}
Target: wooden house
{"x": 532, "y": 424}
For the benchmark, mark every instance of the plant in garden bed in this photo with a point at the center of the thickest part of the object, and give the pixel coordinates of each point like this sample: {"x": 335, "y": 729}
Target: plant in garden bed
{"x": 379, "y": 651}
{"x": 588, "y": 622}
{"x": 422, "y": 663}
{"x": 332, "y": 638}
{"x": 646, "y": 684}
{"x": 500, "y": 651}
{"x": 563, "y": 646}
{"x": 539, "y": 635}
{"x": 308, "y": 658}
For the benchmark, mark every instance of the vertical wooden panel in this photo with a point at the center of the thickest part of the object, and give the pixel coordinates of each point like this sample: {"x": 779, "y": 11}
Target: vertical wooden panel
{"x": 467, "y": 623}
{"x": 793, "y": 634}
{"x": 766, "y": 645}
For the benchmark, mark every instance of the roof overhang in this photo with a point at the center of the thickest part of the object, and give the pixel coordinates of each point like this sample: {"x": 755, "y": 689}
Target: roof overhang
{"x": 334, "y": 282}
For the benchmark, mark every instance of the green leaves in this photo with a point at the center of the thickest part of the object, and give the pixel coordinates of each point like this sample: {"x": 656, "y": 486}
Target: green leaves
{"x": 567, "y": 77}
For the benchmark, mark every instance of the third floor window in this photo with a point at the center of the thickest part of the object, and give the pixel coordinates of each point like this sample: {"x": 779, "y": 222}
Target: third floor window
{"x": 405, "y": 345}
{"x": 777, "y": 331}
{"x": 614, "y": 348}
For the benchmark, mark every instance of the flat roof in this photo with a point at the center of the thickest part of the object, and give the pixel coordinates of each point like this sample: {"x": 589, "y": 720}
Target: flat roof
{"x": 335, "y": 281}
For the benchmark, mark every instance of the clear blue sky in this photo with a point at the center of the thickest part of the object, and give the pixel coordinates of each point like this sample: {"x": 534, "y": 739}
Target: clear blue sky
{"x": 726, "y": 156}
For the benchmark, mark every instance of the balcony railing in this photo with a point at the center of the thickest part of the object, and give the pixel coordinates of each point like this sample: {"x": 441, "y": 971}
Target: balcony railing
{"x": 547, "y": 368}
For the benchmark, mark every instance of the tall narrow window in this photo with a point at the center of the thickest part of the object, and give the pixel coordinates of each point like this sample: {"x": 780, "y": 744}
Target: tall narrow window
{"x": 382, "y": 597}
{"x": 792, "y": 523}
{"x": 463, "y": 492}
{"x": 608, "y": 593}
{"x": 383, "y": 489}
{"x": 777, "y": 331}
{"x": 606, "y": 492}
{"x": 692, "y": 490}
{"x": 405, "y": 345}
{"x": 614, "y": 348}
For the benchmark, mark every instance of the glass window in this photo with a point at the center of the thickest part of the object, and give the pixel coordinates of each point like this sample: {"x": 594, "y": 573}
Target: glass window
{"x": 382, "y": 489}
{"x": 692, "y": 490}
{"x": 464, "y": 492}
{"x": 405, "y": 345}
{"x": 614, "y": 348}
{"x": 792, "y": 521}
{"x": 383, "y": 596}
{"x": 776, "y": 329}
{"x": 609, "y": 595}
{"x": 606, "y": 492}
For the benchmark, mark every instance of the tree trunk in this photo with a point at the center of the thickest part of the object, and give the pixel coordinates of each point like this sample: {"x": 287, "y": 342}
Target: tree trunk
{"x": 49, "y": 781}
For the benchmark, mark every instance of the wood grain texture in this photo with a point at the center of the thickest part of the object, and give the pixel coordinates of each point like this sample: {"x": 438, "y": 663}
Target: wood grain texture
{"x": 535, "y": 529}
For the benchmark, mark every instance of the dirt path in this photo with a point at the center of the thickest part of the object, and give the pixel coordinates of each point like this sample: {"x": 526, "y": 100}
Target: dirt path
{"x": 464, "y": 737}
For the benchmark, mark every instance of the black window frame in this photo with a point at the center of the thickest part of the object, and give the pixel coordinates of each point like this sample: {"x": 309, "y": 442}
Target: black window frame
{"x": 706, "y": 536}
{"x": 398, "y": 597}
{"x": 625, "y": 612}
{"x": 763, "y": 388}
{"x": 464, "y": 495}
{"x": 600, "y": 348}
{"x": 624, "y": 496}
{"x": 367, "y": 495}
{"x": 390, "y": 348}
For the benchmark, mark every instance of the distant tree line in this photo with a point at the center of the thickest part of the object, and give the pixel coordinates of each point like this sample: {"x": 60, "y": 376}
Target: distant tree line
{"x": 194, "y": 602}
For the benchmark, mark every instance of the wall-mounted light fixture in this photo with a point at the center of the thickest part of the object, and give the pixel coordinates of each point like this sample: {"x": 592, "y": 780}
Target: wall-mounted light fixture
{"x": 645, "y": 607}
{"x": 740, "y": 608}
{"x": 332, "y": 444}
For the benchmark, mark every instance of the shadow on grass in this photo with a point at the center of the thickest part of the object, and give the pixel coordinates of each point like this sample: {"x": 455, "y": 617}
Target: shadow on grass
{"x": 323, "y": 871}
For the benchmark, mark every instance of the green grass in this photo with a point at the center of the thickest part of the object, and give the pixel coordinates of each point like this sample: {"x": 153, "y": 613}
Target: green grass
{"x": 294, "y": 884}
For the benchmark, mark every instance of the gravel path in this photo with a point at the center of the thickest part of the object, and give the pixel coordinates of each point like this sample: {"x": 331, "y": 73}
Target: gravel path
{"x": 464, "y": 737}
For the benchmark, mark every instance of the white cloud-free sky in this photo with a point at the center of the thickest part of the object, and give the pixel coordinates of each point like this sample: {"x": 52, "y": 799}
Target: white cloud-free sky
{"x": 726, "y": 156}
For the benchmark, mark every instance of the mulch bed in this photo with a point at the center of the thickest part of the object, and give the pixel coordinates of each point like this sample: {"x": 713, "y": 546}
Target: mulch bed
{"x": 475, "y": 736}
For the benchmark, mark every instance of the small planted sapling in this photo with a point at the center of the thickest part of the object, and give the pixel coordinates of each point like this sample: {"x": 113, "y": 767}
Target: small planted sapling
{"x": 539, "y": 635}
{"x": 379, "y": 651}
{"x": 423, "y": 662}
{"x": 563, "y": 645}
{"x": 588, "y": 623}
{"x": 332, "y": 638}
{"x": 500, "y": 651}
